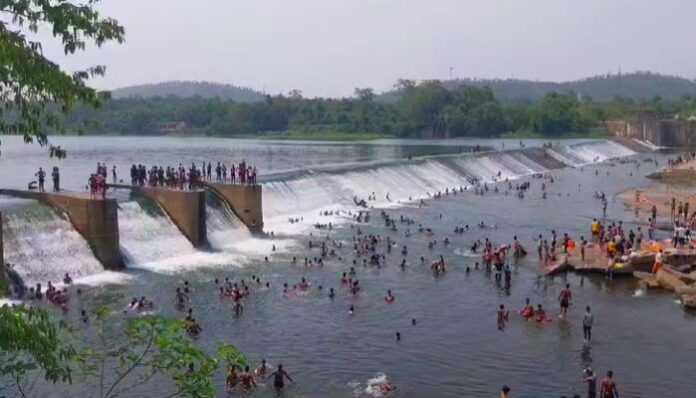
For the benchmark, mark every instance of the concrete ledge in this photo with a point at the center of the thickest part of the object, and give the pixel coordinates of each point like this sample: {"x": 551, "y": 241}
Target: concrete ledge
{"x": 95, "y": 219}
{"x": 674, "y": 175}
{"x": 244, "y": 200}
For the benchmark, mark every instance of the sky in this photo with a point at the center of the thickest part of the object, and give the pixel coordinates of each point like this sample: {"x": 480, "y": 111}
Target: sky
{"x": 330, "y": 47}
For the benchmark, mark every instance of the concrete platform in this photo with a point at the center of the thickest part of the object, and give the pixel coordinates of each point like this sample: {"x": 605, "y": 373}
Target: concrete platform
{"x": 685, "y": 172}
{"x": 95, "y": 219}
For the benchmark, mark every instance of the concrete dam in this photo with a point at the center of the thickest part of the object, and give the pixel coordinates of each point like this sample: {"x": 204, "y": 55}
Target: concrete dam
{"x": 164, "y": 230}
{"x": 96, "y": 220}
{"x": 675, "y": 133}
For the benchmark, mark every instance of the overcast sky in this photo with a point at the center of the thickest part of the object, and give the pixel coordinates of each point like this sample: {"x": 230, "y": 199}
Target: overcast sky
{"x": 329, "y": 47}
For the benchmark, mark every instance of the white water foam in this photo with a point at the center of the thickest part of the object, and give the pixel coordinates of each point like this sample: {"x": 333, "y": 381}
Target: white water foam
{"x": 149, "y": 237}
{"x": 308, "y": 195}
{"x": 590, "y": 152}
{"x": 43, "y": 246}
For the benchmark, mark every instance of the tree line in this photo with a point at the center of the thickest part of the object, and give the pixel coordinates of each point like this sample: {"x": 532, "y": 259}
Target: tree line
{"x": 427, "y": 109}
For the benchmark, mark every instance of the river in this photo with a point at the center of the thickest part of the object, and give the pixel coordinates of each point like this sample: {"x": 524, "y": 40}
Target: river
{"x": 455, "y": 349}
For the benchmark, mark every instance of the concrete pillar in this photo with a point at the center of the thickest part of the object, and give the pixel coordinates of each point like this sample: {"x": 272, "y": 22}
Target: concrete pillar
{"x": 95, "y": 219}
{"x": 244, "y": 200}
{"x": 185, "y": 208}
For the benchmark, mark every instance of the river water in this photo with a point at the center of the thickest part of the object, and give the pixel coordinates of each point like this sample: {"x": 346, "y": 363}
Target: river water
{"x": 455, "y": 349}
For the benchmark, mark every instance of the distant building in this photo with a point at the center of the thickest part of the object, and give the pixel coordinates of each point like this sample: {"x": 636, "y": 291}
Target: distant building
{"x": 171, "y": 127}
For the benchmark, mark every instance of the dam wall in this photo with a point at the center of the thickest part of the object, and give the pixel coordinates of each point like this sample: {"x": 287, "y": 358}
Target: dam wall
{"x": 244, "y": 200}
{"x": 95, "y": 219}
{"x": 660, "y": 132}
{"x": 185, "y": 208}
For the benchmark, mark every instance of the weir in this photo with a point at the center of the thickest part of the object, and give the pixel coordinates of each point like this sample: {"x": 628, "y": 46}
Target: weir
{"x": 186, "y": 209}
{"x": 244, "y": 200}
{"x": 95, "y": 219}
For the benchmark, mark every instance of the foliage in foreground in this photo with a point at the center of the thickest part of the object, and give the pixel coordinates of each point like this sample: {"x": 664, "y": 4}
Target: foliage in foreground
{"x": 33, "y": 89}
{"x": 109, "y": 357}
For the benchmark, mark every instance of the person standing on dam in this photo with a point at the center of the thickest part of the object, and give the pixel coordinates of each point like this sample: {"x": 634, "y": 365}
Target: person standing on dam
{"x": 42, "y": 176}
{"x": 55, "y": 174}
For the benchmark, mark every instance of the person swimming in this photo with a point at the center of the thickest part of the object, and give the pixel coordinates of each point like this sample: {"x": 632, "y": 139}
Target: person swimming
{"x": 389, "y": 298}
{"x": 528, "y": 310}
{"x": 232, "y": 378}
{"x": 247, "y": 379}
{"x": 263, "y": 369}
{"x": 540, "y": 315}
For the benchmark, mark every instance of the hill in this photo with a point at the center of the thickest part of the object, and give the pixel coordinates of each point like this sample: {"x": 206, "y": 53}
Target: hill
{"x": 189, "y": 89}
{"x": 639, "y": 85}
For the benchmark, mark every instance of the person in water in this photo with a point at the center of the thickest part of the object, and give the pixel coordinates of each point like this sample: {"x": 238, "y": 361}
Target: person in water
{"x": 609, "y": 387}
{"x": 527, "y": 311}
{"x": 540, "y": 314}
{"x": 564, "y": 298}
{"x": 505, "y": 392}
{"x": 587, "y": 321}
{"x": 263, "y": 369}
{"x": 591, "y": 380}
{"x": 278, "y": 377}
{"x": 503, "y": 316}
{"x": 181, "y": 298}
{"x": 247, "y": 379}
{"x": 389, "y": 298}
{"x": 232, "y": 378}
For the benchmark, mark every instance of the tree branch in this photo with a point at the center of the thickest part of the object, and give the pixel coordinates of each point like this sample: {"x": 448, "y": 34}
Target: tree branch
{"x": 135, "y": 363}
{"x": 139, "y": 383}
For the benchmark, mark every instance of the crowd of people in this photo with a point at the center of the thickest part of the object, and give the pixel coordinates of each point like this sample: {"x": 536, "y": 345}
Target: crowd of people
{"x": 681, "y": 159}
{"x": 374, "y": 250}
{"x": 182, "y": 177}
{"x": 179, "y": 177}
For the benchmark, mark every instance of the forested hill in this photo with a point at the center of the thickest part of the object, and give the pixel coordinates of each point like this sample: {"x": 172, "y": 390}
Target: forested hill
{"x": 640, "y": 85}
{"x": 189, "y": 89}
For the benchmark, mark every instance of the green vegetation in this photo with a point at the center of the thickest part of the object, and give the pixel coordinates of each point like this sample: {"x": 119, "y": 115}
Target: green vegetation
{"x": 427, "y": 109}
{"x": 637, "y": 86}
{"x": 34, "y": 90}
{"x": 108, "y": 354}
{"x": 187, "y": 89}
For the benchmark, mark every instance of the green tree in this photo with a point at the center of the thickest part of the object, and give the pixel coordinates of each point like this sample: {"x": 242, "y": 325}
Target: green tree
{"x": 30, "y": 83}
{"x": 109, "y": 356}
{"x": 31, "y": 344}
{"x": 422, "y": 105}
{"x": 555, "y": 114}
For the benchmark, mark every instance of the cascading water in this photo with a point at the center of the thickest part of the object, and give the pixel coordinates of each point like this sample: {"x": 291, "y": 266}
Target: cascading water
{"x": 148, "y": 236}
{"x": 309, "y": 193}
{"x": 589, "y": 152}
{"x": 43, "y": 246}
{"x": 224, "y": 228}
{"x": 306, "y": 194}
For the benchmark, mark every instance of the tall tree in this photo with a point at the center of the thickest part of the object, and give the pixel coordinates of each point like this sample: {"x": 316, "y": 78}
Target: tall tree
{"x": 30, "y": 83}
